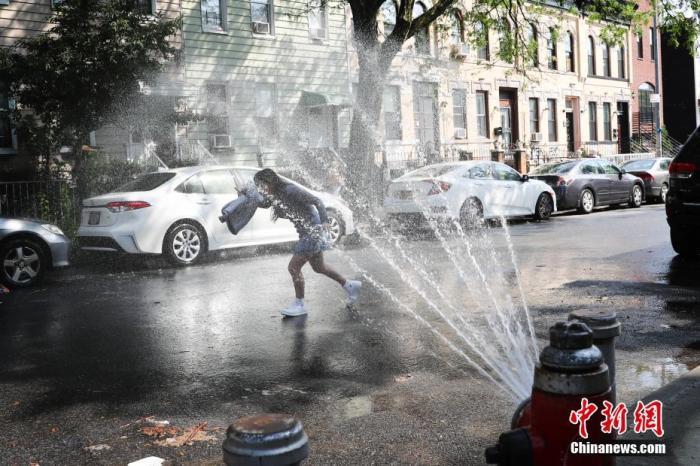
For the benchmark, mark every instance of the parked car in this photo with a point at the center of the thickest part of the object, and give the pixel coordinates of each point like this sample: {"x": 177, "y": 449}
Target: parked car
{"x": 467, "y": 191}
{"x": 588, "y": 183}
{"x": 654, "y": 173}
{"x": 176, "y": 213}
{"x": 683, "y": 200}
{"x": 28, "y": 248}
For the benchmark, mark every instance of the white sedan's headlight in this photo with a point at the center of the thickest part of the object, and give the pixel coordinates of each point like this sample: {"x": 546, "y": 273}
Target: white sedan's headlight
{"x": 53, "y": 229}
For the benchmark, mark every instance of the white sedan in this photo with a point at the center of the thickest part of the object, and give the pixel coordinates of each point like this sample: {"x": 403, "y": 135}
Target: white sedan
{"x": 467, "y": 191}
{"x": 176, "y": 213}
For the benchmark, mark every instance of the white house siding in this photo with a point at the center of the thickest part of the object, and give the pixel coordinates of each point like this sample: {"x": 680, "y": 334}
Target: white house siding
{"x": 288, "y": 59}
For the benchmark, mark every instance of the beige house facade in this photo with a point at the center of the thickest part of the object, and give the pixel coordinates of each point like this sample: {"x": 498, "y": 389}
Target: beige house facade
{"x": 446, "y": 97}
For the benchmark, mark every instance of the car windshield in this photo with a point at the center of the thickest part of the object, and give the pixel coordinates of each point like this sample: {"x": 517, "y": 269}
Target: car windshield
{"x": 147, "y": 182}
{"x": 639, "y": 165}
{"x": 433, "y": 170}
{"x": 554, "y": 168}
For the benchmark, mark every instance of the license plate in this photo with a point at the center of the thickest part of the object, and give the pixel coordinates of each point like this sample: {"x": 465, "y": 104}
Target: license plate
{"x": 405, "y": 195}
{"x": 94, "y": 218}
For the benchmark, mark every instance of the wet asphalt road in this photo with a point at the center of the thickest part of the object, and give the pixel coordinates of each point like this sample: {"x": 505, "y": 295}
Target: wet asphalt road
{"x": 100, "y": 346}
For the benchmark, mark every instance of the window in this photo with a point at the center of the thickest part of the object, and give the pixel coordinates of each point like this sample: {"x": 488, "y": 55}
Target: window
{"x": 261, "y": 16}
{"x": 652, "y": 44}
{"x": 593, "y": 121}
{"x": 591, "y": 56}
{"x": 590, "y": 168}
{"x": 266, "y": 112}
{"x": 218, "y": 182}
{"x": 388, "y": 16}
{"x": 534, "y": 46}
{"x": 534, "y": 115}
{"x": 663, "y": 165}
{"x": 505, "y": 173}
{"x": 147, "y": 182}
{"x": 646, "y": 109}
{"x": 456, "y": 28}
{"x": 569, "y": 52}
{"x": 552, "y": 119}
{"x": 422, "y": 37}
{"x": 505, "y": 49}
{"x": 192, "y": 185}
{"x": 552, "y": 49}
{"x": 146, "y": 7}
{"x": 621, "y": 62}
{"x": 607, "y": 122}
{"x": 317, "y": 19}
{"x": 391, "y": 106}
{"x": 482, "y": 37}
{"x": 213, "y": 15}
{"x": 5, "y": 121}
{"x": 606, "y": 61}
{"x": 480, "y": 172}
{"x": 482, "y": 123}
{"x": 640, "y": 46}
{"x": 608, "y": 168}
{"x": 459, "y": 114}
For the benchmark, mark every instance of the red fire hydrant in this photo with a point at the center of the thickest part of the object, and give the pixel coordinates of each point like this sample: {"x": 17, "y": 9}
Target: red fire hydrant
{"x": 571, "y": 368}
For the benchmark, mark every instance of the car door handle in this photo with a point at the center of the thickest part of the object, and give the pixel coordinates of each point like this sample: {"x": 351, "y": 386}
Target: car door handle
{"x": 203, "y": 201}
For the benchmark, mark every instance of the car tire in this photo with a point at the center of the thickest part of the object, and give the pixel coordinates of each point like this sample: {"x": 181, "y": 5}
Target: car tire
{"x": 544, "y": 207}
{"x": 471, "y": 215}
{"x": 185, "y": 244}
{"x": 337, "y": 226}
{"x": 586, "y": 202}
{"x": 24, "y": 262}
{"x": 636, "y": 196}
{"x": 664, "y": 193}
{"x": 683, "y": 243}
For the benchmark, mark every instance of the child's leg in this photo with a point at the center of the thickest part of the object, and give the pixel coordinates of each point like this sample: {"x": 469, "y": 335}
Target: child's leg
{"x": 294, "y": 267}
{"x": 319, "y": 266}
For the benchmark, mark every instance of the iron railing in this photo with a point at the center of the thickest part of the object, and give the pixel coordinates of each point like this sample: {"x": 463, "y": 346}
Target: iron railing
{"x": 53, "y": 201}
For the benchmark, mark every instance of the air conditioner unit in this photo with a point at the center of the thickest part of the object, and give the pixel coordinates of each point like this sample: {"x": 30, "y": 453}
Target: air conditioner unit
{"x": 536, "y": 137}
{"x": 318, "y": 33}
{"x": 220, "y": 141}
{"x": 261, "y": 28}
{"x": 461, "y": 51}
{"x": 460, "y": 133}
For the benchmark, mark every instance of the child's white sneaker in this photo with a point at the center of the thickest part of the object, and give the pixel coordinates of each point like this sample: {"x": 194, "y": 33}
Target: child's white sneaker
{"x": 353, "y": 289}
{"x": 295, "y": 309}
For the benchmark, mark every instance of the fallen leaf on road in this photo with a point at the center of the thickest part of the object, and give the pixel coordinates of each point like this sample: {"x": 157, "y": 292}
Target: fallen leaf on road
{"x": 159, "y": 431}
{"x": 138, "y": 421}
{"x": 54, "y": 430}
{"x": 193, "y": 434}
{"x": 99, "y": 447}
{"x": 403, "y": 378}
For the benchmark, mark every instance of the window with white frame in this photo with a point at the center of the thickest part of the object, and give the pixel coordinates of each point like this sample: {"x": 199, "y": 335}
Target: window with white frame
{"x": 261, "y": 16}
{"x": 607, "y": 122}
{"x": 534, "y": 115}
{"x": 318, "y": 27}
{"x": 146, "y": 7}
{"x": 213, "y": 15}
{"x": 266, "y": 112}
{"x": 591, "y": 56}
{"x": 652, "y": 43}
{"x": 552, "y": 49}
{"x": 621, "y": 62}
{"x": 593, "y": 121}
{"x": 482, "y": 38}
{"x": 482, "y": 122}
{"x": 607, "y": 68}
{"x": 533, "y": 41}
{"x": 459, "y": 113}
{"x": 456, "y": 28}
{"x": 569, "y": 53}
{"x": 391, "y": 108}
{"x": 552, "y": 119}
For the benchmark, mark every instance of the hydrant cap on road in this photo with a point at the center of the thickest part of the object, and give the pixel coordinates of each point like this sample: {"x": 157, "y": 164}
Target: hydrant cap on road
{"x": 603, "y": 322}
{"x": 265, "y": 440}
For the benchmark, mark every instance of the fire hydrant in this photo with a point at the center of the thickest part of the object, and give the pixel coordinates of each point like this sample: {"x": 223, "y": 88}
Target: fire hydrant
{"x": 571, "y": 368}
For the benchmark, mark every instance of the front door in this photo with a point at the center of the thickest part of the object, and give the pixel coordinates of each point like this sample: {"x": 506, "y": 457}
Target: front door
{"x": 623, "y": 128}
{"x": 570, "y": 132}
{"x": 425, "y": 108}
{"x": 506, "y": 127}
{"x": 507, "y": 99}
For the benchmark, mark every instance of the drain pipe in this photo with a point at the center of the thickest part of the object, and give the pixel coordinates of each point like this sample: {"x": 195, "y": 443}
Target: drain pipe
{"x": 266, "y": 440}
{"x": 606, "y": 328}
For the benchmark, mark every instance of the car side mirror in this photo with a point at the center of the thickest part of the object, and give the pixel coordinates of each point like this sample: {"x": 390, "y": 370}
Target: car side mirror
{"x": 525, "y": 178}
{"x": 622, "y": 171}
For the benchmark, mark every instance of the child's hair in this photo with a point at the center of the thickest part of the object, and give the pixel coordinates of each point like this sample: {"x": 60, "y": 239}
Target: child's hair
{"x": 269, "y": 177}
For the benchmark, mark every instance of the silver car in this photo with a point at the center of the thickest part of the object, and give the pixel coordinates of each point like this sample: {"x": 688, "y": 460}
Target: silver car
{"x": 654, "y": 173}
{"x": 28, "y": 248}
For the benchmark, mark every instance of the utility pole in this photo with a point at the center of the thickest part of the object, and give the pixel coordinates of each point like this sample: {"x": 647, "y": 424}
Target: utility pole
{"x": 657, "y": 105}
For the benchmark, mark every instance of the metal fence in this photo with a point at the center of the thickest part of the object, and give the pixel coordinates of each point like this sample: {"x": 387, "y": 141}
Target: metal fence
{"x": 53, "y": 201}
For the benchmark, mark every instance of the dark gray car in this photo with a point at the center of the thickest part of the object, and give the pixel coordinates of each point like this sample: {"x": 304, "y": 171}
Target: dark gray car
{"x": 588, "y": 183}
{"x": 654, "y": 173}
{"x": 28, "y": 248}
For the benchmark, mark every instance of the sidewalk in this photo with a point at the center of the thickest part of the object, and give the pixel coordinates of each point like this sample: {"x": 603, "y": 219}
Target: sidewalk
{"x": 681, "y": 417}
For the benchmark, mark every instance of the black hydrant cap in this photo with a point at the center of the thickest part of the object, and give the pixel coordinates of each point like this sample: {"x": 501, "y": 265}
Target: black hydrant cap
{"x": 266, "y": 439}
{"x": 603, "y": 322}
{"x": 570, "y": 335}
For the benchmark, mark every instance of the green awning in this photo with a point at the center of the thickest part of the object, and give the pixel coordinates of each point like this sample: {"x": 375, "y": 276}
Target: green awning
{"x": 312, "y": 99}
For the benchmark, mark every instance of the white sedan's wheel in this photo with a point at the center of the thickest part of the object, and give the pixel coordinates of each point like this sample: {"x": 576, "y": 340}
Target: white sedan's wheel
{"x": 336, "y": 227}
{"x": 185, "y": 244}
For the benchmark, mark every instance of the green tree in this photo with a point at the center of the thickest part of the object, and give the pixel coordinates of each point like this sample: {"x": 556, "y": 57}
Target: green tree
{"x": 94, "y": 55}
{"x": 513, "y": 19}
